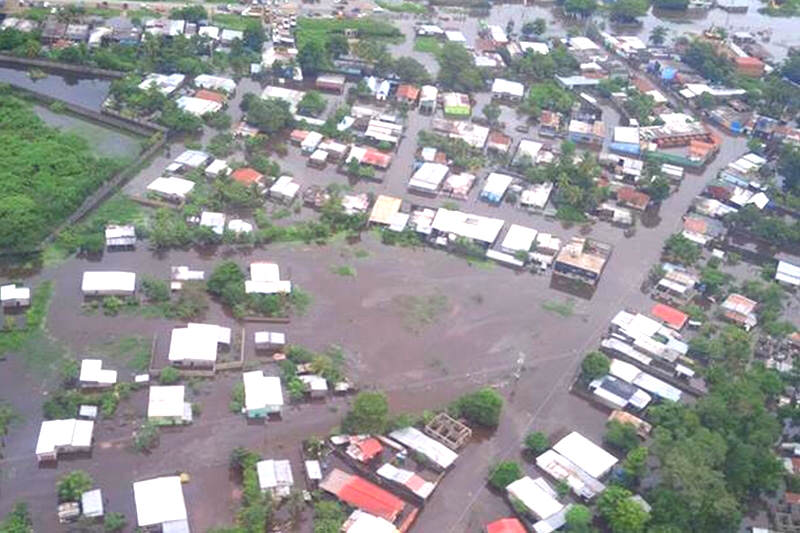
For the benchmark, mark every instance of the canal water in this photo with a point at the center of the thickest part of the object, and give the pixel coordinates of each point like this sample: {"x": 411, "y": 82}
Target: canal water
{"x": 83, "y": 91}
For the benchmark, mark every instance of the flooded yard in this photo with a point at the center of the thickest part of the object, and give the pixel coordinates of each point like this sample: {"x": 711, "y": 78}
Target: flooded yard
{"x": 83, "y": 91}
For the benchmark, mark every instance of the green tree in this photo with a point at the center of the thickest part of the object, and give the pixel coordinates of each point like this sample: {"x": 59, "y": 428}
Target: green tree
{"x": 789, "y": 165}
{"x": 270, "y": 116}
{"x": 146, "y": 437}
{"x": 410, "y": 70}
{"x": 595, "y": 365}
{"x": 579, "y": 519}
{"x": 505, "y": 473}
{"x": 481, "y": 407}
{"x": 659, "y": 189}
{"x": 547, "y": 95}
{"x": 536, "y": 442}
{"x": 658, "y": 35}
{"x": 192, "y": 14}
{"x": 492, "y": 113}
{"x": 22, "y": 227}
{"x": 369, "y": 414}
{"x": 701, "y": 56}
{"x": 635, "y": 463}
{"x": 679, "y": 249}
{"x": 581, "y": 8}
{"x": 621, "y": 435}
{"x": 537, "y": 27}
{"x": 312, "y": 56}
{"x": 628, "y": 517}
{"x": 457, "y": 70}
{"x": 312, "y": 103}
{"x": 628, "y": 10}
{"x": 227, "y": 283}
{"x": 71, "y": 486}
{"x": 337, "y": 45}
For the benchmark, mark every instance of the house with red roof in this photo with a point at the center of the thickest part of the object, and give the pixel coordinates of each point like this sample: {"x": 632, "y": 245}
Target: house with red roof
{"x": 357, "y": 492}
{"x": 630, "y": 197}
{"x": 364, "y": 449}
{"x": 670, "y": 316}
{"x": 247, "y": 176}
{"x": 506, "y": 525}
{"x": 407, "y": 94}
{"x": 211, "y": 96}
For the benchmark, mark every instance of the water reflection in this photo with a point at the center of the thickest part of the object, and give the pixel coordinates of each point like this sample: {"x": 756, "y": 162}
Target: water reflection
{"x": 83, "y": 91}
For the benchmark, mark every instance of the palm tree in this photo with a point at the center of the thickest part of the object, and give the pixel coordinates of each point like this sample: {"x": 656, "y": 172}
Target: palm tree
{"x": 658, "y": 35}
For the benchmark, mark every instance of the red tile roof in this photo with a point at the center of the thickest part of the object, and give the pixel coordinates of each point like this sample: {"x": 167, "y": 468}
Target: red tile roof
{"x": 210, "y": 95}
{"x": 377, "y": 159}
{"x": 369, "y": 448}
{"x": 247, "y": 175}
{"x": 408, "y": 92}
{"x": 360, "y": 493}
{"x": 670, "y": 316}
{"x": 633, "y": 198}
{"x": 506, "y": 525}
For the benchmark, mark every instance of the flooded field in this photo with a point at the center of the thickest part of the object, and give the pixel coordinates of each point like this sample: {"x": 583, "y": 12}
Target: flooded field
{"x": 104, "y": 141}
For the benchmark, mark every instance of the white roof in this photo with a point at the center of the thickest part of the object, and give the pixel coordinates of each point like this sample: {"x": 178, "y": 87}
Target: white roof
{"x": 590, "y": 457}
{"x": 183, "y": 273}
{"x": 428, "y": 92}
{"x": 626, "y": 134}
{"x": 476, "y": 227}
{"x": 109, "y": 281}
{"x": 14, "y": 292}
{"x": 311, "y": 141}
{"x": 513, "y": 88}
{"x": 166, "y": 401}
{"x": 271, "y": 337}
{"x": 274, "y": 473}
{"x": 115, "y": 231}
{"x": 166, "y": 84}
{"x": 213, "y": 220}
{"x": 197, "y": 106}
{"x": 217, "y": 166}
{"x": 363, "y": 522}
{"x": 193, "y": 158}
{"x": 261, "y": 391}
{"x": 92, "y": 372}
{"x": 519, "y": 238}
{"x": 314, "y": 382}
{"x": 222, "y": 333}
{"x": 265, "y": 271}
{"x": 536, "y": 47}
{"x": 177, "y": 187}
{"x": 536, "y": 195}
{"x": 582, "y": 43}
{"x": 198, "y": 344}
{"x": 159, "y": 500}
{"x": 268, "y": 287}
{"x": 285, "y": 186}
{"x": 228, "y": 35}
{"x": 455, "y": 36}
{"x": 282, "y": 93}
{"x": 498, "y": 34}
{"x": 92, "y": 503}
{"x": 496, "y": 185}
{"x": 528, "y": 148}
{"x": 536, "y": 495}
{"x": 69, "y": 432}
{"x": 420, "y": 442}
{"x": 429, "y": 176}
{"x": 788, "y": 273}
{"x": 407, "y": 478}
{"x": 313, "y": 470}
{"x": 212, "y": 32}
{"x": 208, "y": 81}
{"x": 238, "y": 225}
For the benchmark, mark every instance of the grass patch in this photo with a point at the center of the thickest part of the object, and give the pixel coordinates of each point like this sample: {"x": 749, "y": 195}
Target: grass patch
{"x": 402, "y": 7}
{"x": 35, "y": 318}
{"x": 419, "y": 312}
{"x": 565, "y": 308}
{"x": 232, "y": 22}
{"x": 133, "y": 352}
{"x": 42, "y": 354}
{"x": 361, "y": 253}
{"x": 344, "y": 270}
{"x": 427, "y": 45}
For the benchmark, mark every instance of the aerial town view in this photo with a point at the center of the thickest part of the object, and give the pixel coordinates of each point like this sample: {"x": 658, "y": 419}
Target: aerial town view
{"x": 389, "y": 266}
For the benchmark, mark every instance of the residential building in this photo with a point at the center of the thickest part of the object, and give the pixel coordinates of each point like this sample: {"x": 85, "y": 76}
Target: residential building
{"x": 740, "y": 310}
{"x": 118, "y": 236}
{"x": 94, "y": 376}
{"x": 197, "y": 345}
{"x": 159, "y": 503}
{"x": 536, "y": 496}
{"x": 508, "y": 90}
{"x": 436, "y": 453}
{"x": 15, "y": 296}
{"x": 275, "y": 477}
{"x": 263, "y": 395}
{"x": 582, "y": 259}
{"x": 166, "y": 405}
{"x": 359, "y": 493}
{"x": 110, "y": 283}
{"x": 63, "y": 436}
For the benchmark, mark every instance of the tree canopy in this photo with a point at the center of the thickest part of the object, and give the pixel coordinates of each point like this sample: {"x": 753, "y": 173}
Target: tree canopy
{"x": 369, "y": 414}
{"x": 457, "y": 70}
{"x": 481, "y": 407}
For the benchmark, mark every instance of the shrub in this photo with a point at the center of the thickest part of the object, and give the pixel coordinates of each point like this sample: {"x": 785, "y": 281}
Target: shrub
{"x": 621, "y": 435}
{"x": 536, "y": 443}
{"x": 146, "y": 437}
{"x": 155, "y": 290}
{"x": 70, "y": 486}
{"x": 369, "y": 414}
{"x": 504, "y": 473}
{"x": 169, "y": 376}
{"x": 237, "y": 398}
{"x": 115, "y": 522}
{"x": 595, "y": 365}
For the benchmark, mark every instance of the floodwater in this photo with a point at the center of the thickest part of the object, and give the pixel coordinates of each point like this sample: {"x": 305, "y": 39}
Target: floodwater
{"x": 103, "y": 140}
{"x": 83, "y": 91}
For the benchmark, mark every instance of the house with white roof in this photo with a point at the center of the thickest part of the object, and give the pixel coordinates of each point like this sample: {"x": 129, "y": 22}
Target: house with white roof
{"x": 788, "y": 274}
{"x": 213, "y": 220}
{"x": 182, "y": 273}
{"x": 93, "y": 375}
{"x": 265, "y": 278}
{"x": 166, "y": 84}
{"x": 269, "y": 340}
{"x": 120, "y": 236}
{"x": 316, "y": 386}
{"x": 536, "y": 496}
{"x": 284, "y": 189}
{"x": 428, "y": 177}
{"x": 109, "y": 283}
{"x": 171, "y": 188}
{"x": 587, "y": 455}
{"x": 197, "y": 345}
{"x": 193, "y": 158}
{"x": 291, "y": 96}
{"x": 507, "y": 90}
{"x": 15, "y": 296}
{"x": 436, "y": 453}
{"x": 275, "y": 477}
{"x": 518, "y": 239}
{"x": 63, "y": 436}
{"x": 362, "y": 522}
{"x": 263, "y": 395}
{"x": 496, "y": 187}
{"x": 166, "y": 405}
{"x": 215, "y": 83}
{"x": 159, "y": 502}
{"x": 451, "y": 225}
